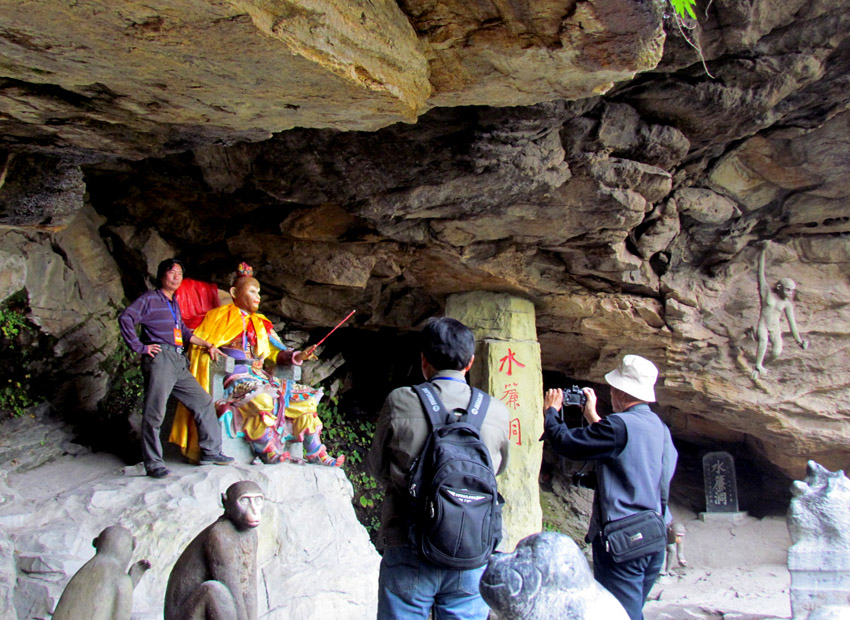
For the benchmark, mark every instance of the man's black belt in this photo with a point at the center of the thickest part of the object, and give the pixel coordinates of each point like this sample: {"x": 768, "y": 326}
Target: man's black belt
{"x": 164, "y": 345}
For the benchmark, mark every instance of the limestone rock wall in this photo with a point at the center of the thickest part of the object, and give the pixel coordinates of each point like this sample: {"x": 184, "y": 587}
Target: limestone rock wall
{"x": 168, "y": 75}
{"x": 574, "y": 206}
{"x": 520, "y": 53}
{"x": 137, "y": 80}
{"x": 73, "y": 290}
{"x": 578, "y": 154}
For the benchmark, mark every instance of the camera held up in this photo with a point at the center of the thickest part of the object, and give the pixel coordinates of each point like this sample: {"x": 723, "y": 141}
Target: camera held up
{"x": 574, "y": 396}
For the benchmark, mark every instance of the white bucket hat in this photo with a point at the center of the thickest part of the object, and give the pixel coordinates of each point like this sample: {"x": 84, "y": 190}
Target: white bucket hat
{"x": 636, "y": 377}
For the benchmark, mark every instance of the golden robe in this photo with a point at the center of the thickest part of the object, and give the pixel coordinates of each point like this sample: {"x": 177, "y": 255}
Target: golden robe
{"x": 220, "y": 327}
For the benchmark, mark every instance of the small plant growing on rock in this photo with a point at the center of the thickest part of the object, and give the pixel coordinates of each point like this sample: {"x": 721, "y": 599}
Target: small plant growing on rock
{"x": 346, "y": 435}
{"x": 12, "y": 321}
{"x": 684, "y": 8}
{"x": 685, "y": 17}
{"x": 16, "y": 338}
{"x": 15, "y": 398}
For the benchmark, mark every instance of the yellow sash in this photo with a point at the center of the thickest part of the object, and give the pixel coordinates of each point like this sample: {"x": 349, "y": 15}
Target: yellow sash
{"x": 220, "y": 326}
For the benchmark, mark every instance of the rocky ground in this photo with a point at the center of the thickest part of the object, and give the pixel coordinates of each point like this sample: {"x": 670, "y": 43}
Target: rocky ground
{"x": 736, "y": 565}
{"x": 736, "y": 568}
{"x": 50, "y": 514}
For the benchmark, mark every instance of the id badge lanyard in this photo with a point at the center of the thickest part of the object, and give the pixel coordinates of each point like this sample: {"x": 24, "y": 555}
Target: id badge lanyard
{"x": 178, "y": 333}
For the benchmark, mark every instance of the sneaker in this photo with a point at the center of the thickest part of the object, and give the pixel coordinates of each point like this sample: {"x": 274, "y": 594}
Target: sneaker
{"x": 159, "y": 472}
{"x": 216, "y": 459}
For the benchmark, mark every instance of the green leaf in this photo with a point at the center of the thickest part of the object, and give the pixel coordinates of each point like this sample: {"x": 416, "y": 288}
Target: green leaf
{"x": 363, "y": 501}
{"x": 684, "y": 8}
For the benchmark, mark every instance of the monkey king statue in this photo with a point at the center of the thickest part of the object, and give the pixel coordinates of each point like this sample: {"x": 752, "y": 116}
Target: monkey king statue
{"x": 270, "y": 412}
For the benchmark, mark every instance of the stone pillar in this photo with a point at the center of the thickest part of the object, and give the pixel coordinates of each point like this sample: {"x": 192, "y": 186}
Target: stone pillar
{"x": 507, "y": 366}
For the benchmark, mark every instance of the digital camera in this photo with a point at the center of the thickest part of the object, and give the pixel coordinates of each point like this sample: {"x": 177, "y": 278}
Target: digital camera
{"x": 574, "y": 396}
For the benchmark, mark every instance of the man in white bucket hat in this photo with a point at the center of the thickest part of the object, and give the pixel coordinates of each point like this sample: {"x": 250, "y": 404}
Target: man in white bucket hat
{"x": 635, "y": 460}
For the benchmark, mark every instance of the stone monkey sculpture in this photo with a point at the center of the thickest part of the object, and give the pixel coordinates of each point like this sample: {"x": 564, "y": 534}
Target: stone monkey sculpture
{"x": 675, "y": 546}
{"x": 774, "y": 303}
{"x": 101, "y": 590}
{"x": 215, "y": 578}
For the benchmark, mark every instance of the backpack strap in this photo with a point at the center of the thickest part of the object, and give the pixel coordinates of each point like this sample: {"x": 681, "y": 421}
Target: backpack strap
{"x": 433, "y": 406}
{"x": 476, "y": 410}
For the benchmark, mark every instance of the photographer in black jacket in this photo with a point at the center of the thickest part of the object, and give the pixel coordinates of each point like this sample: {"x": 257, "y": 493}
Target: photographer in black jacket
{"x": 635, "y": 458}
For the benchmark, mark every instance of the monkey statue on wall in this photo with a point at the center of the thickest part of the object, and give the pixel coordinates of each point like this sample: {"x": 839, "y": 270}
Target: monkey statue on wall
{"x": 101, "y": 590}
{"x": 776, "y": 302}
{"x": 215, "y": 578}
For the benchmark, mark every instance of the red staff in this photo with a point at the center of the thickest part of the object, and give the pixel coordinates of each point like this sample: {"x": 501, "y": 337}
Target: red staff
{"x": 312, "y": 349}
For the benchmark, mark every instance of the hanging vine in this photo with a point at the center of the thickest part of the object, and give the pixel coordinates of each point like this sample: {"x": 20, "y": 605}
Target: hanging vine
{"x": 685, "y": 18}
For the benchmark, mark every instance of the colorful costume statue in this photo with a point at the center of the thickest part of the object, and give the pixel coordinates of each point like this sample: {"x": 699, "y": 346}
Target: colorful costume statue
{"x": 270, "y": 412}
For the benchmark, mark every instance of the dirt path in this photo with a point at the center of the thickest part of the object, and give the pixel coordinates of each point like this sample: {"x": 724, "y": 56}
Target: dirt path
{"x": 736, "y": 569}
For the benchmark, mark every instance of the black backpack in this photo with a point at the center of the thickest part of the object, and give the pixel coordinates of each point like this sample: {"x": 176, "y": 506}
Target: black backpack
{"x": 455, "y": 506}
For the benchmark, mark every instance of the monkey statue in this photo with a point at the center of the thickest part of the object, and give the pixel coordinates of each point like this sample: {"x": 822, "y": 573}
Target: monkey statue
{"x": 215, "y": 578}
{"x": 101, "y": 590}
{"x": 775, "y": 303}
{"x": 675, "y": 547}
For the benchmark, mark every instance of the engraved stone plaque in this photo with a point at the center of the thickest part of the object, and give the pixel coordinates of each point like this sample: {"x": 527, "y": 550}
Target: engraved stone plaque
{"x": 721, "y": 489}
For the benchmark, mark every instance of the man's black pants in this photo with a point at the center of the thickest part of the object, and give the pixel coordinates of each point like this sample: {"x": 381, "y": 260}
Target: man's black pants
{"x": 165, "y": 374}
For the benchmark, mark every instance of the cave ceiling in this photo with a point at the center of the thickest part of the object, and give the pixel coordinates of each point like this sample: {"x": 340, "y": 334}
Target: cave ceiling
{"x": 382, "y": 155}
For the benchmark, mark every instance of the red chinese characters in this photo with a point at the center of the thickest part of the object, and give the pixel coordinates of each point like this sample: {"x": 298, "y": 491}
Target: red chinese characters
{"x": 510, "y": 359}
{"x": 515, "y": 431}
{"x": 511, "y": 396}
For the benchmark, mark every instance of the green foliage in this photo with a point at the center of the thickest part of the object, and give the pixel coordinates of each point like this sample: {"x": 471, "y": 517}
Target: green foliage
{"x": 343, "y": 435}
{"x": 684, "y": 8}
{"x": 331, "y": 418}
{"x": 12, "y": 322}
{"x": 15, "y": 397}
{"x": 352, "y": 438}
{"x": 127, "y": 391}
{"x": 17, "y": 336}
{"x": 370, "y": 494}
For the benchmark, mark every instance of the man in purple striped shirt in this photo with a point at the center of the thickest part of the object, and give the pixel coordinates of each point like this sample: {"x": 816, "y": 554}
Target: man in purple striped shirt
{"x": 166, "y": 370}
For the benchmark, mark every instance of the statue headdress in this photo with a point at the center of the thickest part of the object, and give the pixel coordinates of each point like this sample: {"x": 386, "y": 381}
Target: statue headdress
{"x": 244, "y": 270}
